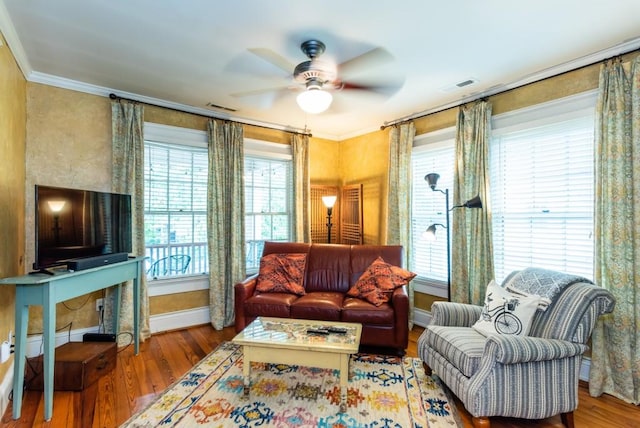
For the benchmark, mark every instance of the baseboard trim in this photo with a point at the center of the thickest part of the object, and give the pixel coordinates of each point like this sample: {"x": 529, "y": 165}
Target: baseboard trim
{"x": 179, "y": 319}
{"x": 157, "y": 323}
{"x": 422, "y": 318}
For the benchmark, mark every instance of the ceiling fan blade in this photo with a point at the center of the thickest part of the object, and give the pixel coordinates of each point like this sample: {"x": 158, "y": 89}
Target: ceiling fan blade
{"x": 387, "y": 88}
{"x": 273, "y": 58}
{"x": 260, "y": 91}
{"x": 364, "y": 62}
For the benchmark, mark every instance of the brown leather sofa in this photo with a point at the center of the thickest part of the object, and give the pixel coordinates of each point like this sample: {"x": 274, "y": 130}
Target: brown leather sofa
{"x": 331, "y": 270}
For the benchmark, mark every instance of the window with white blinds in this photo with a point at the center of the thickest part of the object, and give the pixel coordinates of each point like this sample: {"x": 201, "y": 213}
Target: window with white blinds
{"x": 175, "y": 198}
{"x": 429, "y": 257}
{"x": 542, "y": 175}
{"x": 268, "y": 185}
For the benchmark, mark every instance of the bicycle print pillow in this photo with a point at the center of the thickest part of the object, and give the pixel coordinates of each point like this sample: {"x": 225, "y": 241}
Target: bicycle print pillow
{"x": 505, "y": 312}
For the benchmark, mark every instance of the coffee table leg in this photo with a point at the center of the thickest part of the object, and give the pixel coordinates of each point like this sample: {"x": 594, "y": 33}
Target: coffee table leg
{"x": 344, "y": 381}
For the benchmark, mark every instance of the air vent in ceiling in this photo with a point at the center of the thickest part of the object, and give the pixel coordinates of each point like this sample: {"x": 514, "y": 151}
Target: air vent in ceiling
{"x": 465, "y": 83}
{"x": 462, "y": 84}
{"x": 216, "y": 106}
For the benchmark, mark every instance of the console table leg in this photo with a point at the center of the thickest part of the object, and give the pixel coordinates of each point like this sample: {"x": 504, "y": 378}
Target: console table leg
{"x": 49, "y": 326}
{"x": 21, "y": 322}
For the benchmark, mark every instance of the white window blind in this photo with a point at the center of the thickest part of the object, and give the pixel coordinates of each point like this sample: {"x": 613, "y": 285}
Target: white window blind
{"x": 542, "y": 194}
{"x": 429, "y": 258}
{"x": 175, "y": 197}
{"x": 268, "y": 204}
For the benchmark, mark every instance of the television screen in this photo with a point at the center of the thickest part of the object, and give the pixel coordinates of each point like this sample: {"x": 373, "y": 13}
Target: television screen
{"x": 72, "y": 224}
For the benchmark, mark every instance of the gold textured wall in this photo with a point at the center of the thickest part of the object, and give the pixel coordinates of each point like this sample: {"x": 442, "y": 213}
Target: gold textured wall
{"x": 13, "y": 117}
{"x": 365, "y": 160}
{"x": 324, "y": 162}
{"x": 169, "y": 303}
{"x": 68, "y": 145}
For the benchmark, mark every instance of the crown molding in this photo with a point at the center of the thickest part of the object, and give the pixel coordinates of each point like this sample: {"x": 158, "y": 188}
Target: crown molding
{"x": 11, "y": 36}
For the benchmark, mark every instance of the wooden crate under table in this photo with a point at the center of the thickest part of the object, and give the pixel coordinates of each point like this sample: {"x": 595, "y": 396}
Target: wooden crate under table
{"x": 77, "y": 365}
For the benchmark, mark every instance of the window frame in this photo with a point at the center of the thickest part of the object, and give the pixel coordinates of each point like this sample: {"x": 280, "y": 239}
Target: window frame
{"x": 167, "y": 134}
{"x": 172, "y": 135}
{"x": 556, "y": 112}
{"x": 442, "y": 138}
{"x": 269, "y": 151}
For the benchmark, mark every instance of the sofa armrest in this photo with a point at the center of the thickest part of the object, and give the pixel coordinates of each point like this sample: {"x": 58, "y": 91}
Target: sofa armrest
{"x": 508, "y": 349}
{"x": 454, "y": 314}
{"x": 400, "y": 303}
{"x": 242, "y": 291}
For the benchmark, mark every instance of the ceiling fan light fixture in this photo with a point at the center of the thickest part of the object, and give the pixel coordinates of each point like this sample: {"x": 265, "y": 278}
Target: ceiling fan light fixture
{"x": 314, "y": 100}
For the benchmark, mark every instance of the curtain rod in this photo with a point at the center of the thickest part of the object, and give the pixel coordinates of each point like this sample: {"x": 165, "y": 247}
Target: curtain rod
{"x": 487, "y": 95}
{"x": 117, "y": 97}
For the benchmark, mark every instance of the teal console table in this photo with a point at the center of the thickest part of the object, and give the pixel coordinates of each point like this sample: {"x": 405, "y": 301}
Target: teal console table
{"x": 47, "y": 290}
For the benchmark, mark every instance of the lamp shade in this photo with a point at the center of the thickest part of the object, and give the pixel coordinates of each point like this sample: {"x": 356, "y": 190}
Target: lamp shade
{"x": 329, "y": 201}
{"x": 430, "y": 233}
{"x": 56, "y": 205}
{"x": 314, "y": 100}
{"x": 432, "y": 179}
{"x": 475, "y": 202}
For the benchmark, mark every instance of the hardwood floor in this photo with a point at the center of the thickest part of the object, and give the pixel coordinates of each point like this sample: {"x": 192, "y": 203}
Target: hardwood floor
{"x": 166, "y": 357}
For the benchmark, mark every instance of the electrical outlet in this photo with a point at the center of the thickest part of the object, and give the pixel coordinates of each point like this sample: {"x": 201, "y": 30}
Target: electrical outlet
{"x": 99, "y": 304}
{"x": 5, "y": 349}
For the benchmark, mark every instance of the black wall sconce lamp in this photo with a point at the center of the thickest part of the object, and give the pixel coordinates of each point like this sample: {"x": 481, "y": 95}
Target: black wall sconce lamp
{"x": 475, "y": 202}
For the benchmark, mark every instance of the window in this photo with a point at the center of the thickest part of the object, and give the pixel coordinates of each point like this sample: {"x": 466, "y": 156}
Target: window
{"x": 175, "y": 195}
{"x": 541, "y": 177}
{"x": 268, "y": 189}
{"x": 175, "y": 174}
{"x": 432, "y": 153}
{"x": 541, "y": 172}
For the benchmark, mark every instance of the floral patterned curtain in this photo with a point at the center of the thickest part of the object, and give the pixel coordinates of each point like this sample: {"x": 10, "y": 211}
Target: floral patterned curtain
{"x": 301, "y": 187}
{"x": 471, "y": 243}
{"x": 225, "y": 218}
{"x": 615, "y": 360}
{"x": 128, "y": 177}
{"x": 399, "y": 210}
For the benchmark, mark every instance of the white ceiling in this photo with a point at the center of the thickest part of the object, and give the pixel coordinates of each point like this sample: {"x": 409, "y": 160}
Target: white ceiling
{"x": 185, "y": 54}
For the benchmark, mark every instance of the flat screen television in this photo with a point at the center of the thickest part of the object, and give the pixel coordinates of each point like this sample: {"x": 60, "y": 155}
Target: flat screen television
{"x": 72, "y": 224}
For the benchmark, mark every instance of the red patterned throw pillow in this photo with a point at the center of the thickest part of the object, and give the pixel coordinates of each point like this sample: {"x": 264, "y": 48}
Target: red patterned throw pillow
{"x": 282, "y": 273}
{"x": 377, "y": 283}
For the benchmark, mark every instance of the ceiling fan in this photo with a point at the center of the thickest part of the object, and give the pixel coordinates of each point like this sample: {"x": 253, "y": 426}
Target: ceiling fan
{"x": 318, "y": 79}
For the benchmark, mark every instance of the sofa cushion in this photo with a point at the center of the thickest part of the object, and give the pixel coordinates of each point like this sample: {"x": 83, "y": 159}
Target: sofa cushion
{"x": 319, "y": 305}
{"x": 461, "y": 346}
{"x": 378, "y": 282}
{"x": 269, "y": 305}
{"x": 328, "y": 268}
{"x": 505, "y": 312}
{"x": 282, "y": 273}
{"x": 363, "y": 312}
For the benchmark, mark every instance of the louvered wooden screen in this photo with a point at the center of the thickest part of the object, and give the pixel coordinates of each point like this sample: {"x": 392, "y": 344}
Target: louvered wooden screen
{"x": 351, "y": 219}
{"x": 319, "y": 231}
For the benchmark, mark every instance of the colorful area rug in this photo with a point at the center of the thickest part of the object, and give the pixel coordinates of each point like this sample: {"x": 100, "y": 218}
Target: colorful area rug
{"x": 384, "y": 391}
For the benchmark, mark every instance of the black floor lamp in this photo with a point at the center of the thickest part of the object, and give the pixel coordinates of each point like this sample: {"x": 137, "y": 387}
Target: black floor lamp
{"x": 475, "y": 202}
{"x": 329, "y": 201}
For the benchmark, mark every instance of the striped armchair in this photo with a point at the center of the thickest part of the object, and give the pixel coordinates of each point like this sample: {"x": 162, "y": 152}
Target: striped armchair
{"x": 530, "y": 377}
